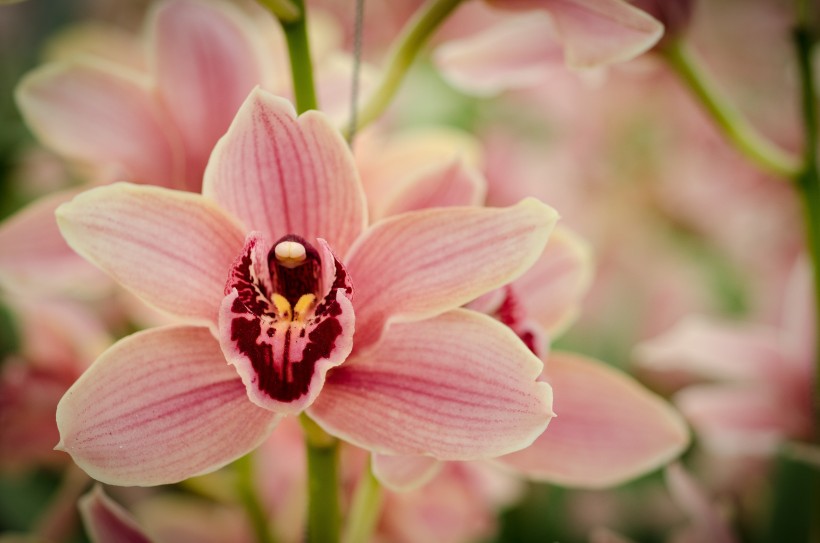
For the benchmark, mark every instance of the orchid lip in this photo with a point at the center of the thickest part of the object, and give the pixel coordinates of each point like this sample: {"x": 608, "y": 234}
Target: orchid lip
{"x": 286, "y": 319}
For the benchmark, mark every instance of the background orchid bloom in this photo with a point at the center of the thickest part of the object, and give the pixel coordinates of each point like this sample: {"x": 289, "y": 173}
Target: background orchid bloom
{"x": 288, "y": 303}
{"x": 520, "y": 50}
{"x": 760, "y": 389}
{"x": 158, "y": 124}
{"x": 58, "y": 340}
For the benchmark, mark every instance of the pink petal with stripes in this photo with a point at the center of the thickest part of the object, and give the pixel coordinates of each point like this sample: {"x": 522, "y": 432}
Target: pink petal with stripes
{"x": 286, "y": 175}
{"x": 101, "y": 114}
{"x": 158, "y": 407}
{"x": 106, "y": 521}
{"x": 172, "y": 249}
{"x": 423, "y": 263}
{"x": 460, "y": 386}
{"x": 280, "y": 326}
{"x": 207, "y": 57}
{"x": 609, "y": 428}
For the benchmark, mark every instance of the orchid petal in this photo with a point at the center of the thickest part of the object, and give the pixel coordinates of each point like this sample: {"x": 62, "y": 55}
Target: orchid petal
{"x": 32, "y": 250}
{"x": 286, "y": 175}
{"x": 172, "y": 249}
{"x": 106, "y": 521}
{"x": 598, "y": 32}
{"x": 552, "y": 289}
{"x": 609, "y": 428}
{"x": 207, "y": 57}
{"x": 404, "y": 473}
{"x": 451, "y": 184}
{"x": 743, "y": 419}
{"x": 423, "y": 263}
{"x": 158, "y": 407}
{"x": 459, "y": 386}
{"x": 517, "y": 52}
{"x": 707, "y": 348}
{"x": 87, "y": 110}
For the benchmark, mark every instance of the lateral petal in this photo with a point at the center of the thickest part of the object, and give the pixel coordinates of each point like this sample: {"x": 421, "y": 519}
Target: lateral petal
{"x": 423, "y": 263}
{"x": 609, "y": 428}
{"x": 92, "y": 111}
{"x": 207, "y": 57}
{"x": 158, "y": 407}
{"x": 286, "y": 175}
{"x": 459, "y": 386}
{"x": 173, "y": 249}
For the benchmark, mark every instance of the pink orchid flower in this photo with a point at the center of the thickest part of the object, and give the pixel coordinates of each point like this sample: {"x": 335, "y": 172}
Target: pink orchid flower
{"x": 519, "y": 49}
{"x": 261, "y": 268}
{"x": 760, "y": 394}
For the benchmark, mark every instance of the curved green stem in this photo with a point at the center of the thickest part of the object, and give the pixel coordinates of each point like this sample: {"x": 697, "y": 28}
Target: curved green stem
{"x": 402, "y": 54}
{"x": 301, "y": 66}
{"x": 250, "y": 500}
{"x": 730, "y": 121}
{"x": 323, "y": 487}
{"x": 364, "y": 513}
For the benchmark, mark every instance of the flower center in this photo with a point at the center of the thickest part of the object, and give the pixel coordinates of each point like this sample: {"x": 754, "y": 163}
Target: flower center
{"x": 286, "y": 319}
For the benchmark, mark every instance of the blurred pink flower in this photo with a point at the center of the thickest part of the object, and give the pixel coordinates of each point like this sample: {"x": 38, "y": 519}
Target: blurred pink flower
{"x": 156, "y": 124}
{"x": 761, "y": 394}
{"x": 519, "y": 50}
{"x": 57, "y": 342}
{"x": 161, "y": 405}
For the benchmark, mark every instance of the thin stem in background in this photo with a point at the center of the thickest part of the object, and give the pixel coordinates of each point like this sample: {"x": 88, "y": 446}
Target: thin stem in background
{"x": 358, "y": 30}
{"x": 364, "y": 513}
{"x": 731, "y": 122}
{"x": 324, "y": 520}
{"x": 401, "y": 56}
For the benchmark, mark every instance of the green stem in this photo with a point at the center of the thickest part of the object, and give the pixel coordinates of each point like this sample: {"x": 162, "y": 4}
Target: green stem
{"x": 323, "y": 487}
{"x": 808, "y": 184}
{"x": 730, "y": 121}
{"x": 364, "y": 513}
{"x": 402, "y": 54}
{"x": 301, "y": 67}
{"x": 250, "y": 500}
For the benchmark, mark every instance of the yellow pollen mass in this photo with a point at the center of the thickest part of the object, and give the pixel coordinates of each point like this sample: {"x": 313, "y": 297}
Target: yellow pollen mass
{"x": 282, "y": 306}
{"x": 303, "y": 306}
{"x": 290, "y": 254}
